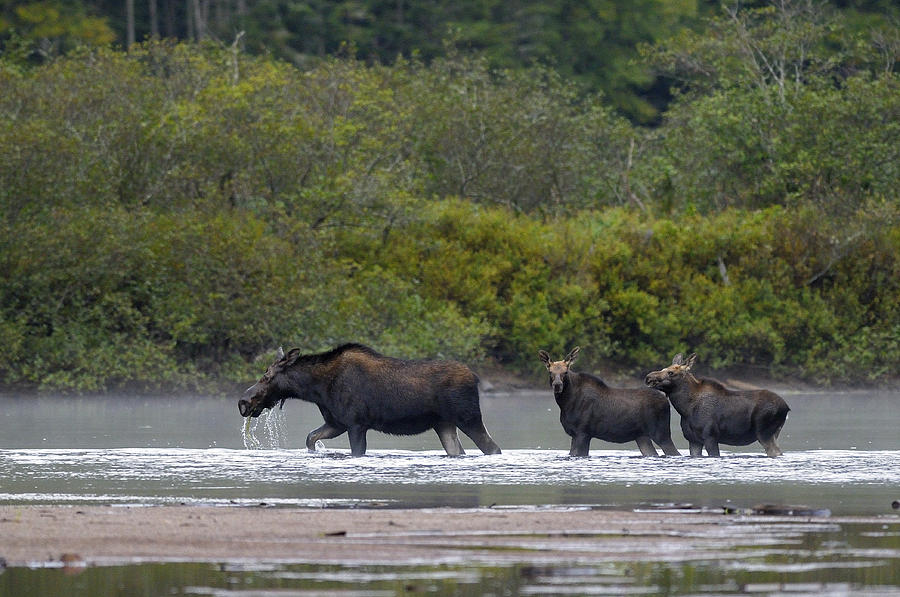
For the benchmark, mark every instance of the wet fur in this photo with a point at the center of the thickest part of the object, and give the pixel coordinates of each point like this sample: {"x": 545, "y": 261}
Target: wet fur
{"x": 358, "y": 389}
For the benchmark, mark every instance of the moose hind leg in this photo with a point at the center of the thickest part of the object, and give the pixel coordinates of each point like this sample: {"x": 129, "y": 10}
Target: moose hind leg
{"x": 449, "y": 439}
{"x": 668, "y": 447}
{"x": 772, "y": 449}
{"x": 646, "y": 446}
{"x": 357, "y": 440}
{"x": 480, "y": 436}
{"x": 326, "y": 431}
{"x": 696, "y": 449}
{"x": 712, "y": 447}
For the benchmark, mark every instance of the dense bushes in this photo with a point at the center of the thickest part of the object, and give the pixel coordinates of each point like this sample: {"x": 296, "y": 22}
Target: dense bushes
{"x": 99, "y": 297}
{"x": 171, "y": 215}
{"x": 637, "y": 290}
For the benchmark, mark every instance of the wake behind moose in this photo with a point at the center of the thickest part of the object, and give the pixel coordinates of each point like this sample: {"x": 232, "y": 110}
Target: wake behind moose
{"x": 358, "y": 389}
{"x": 589, "y": 408}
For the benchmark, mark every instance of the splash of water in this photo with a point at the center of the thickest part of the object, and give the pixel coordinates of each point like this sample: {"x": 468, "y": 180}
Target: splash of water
{"x": 248, "y": 434}
{"x": 274, "y": 430}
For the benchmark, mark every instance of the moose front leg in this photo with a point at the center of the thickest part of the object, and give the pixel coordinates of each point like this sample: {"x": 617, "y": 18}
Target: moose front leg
{"x": 581, "y": 445}
{"x": 646, "y": 446}
{"x": 696, "y": 449}
{"x": 326, "y": 431}
{"x": 449, "y": 439}
{"x": 357, "y": 435}
{"x": 712, "y": 446}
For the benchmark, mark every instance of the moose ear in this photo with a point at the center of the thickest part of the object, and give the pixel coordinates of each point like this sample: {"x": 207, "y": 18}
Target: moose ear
{"x": 572, "y": 355}
{"x": 280, "y": 354}
{"x": 691, "y": 360}
{"x": 545, "y": 357}
{"x": 678, "y": 360}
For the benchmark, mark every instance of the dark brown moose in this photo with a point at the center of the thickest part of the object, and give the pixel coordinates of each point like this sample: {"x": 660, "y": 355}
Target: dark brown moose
{"x": 588, "y": 408}
{"x": 711, "y": 414}
{"x": 358, "y": 389}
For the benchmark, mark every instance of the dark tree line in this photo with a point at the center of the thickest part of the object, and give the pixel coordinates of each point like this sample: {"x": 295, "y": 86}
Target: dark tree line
{"x": 592, "y": 41}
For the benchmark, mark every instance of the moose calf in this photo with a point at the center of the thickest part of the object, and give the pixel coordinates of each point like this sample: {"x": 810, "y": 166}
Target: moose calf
{"x": 589, "y": 408}
{"x": 712, "y": 414}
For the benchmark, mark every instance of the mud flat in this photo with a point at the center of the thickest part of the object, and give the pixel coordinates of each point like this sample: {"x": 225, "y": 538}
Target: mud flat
{"x": 37, "y": 536}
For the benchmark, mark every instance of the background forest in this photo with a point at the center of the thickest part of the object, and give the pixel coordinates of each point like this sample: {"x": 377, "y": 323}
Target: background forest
{"x": 475, "y": 180}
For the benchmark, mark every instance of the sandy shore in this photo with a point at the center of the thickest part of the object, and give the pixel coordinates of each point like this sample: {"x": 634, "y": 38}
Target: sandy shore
{"x": 97, "y": 535}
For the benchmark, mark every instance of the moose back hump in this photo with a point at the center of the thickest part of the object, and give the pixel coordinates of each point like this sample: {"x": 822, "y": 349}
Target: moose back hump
{"x": 358, "y": 389}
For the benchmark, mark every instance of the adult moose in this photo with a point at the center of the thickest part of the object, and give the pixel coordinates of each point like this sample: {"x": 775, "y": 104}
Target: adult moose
{"x": 358, "y": 389}
{"x": 712, "y": 414}
{"x": 589, "y": 408}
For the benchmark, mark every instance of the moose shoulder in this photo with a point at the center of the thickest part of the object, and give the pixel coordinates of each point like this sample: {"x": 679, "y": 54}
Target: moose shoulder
{"x": 588, "y": 408}
{"x": 358, "y": 389}
{"x": 712, "y": 414}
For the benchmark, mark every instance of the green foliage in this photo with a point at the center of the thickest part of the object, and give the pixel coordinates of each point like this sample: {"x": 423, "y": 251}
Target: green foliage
{"x": 782, "y": 106}
{"x": 173, "y": 214}
{"x": 637, "y": 291}
{"x": 47, "y": 28}
{"x": 95, "y": 298}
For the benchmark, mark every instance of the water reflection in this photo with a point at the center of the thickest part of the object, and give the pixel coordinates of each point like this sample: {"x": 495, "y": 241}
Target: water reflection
{"x": 797, "y": 558}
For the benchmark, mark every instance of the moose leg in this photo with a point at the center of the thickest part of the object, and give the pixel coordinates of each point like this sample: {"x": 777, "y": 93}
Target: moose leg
{"x": 696, "y": 449}
{"x": 581, "y": 445}
{"x": 480, "y": 436}
{"x": 357, "y": 435}
{"x": 646, "y": 446}
{"x": 668, "y": 447}
{"x": 326, "y": 431}
{"x": 449, "y": 439}
{"x": 772, "y": 449}
{"x": 712, "y": 446}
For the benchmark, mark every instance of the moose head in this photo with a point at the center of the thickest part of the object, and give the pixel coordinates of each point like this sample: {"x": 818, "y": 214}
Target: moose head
{"x": 270, "y": 388}
{"x": 558, "y": 369}
{"x": 665, "y": 379}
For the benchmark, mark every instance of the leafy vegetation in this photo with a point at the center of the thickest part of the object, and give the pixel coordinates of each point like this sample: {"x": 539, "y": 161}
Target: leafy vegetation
{"x": 171, "y": 214}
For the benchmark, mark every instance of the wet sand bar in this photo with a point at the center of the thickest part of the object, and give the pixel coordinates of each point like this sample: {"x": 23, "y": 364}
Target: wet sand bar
{"x": 99, "y": 535}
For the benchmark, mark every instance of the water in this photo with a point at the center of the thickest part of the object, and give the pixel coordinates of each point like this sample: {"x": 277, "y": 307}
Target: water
{"x": 842, "y": 453}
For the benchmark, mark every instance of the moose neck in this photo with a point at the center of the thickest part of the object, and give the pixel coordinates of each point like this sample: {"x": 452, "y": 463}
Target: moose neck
{"x": 301, "y": 384}
{"x": 565, "y": 397}
{"x": 683, "y": 392}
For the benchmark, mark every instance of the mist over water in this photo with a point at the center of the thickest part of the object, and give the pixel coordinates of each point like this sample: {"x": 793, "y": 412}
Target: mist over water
{"x": 841, "y": 453}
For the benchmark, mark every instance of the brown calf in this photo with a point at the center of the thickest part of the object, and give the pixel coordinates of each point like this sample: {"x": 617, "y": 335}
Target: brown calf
{"x": 589, "y": 408}
{"x": 712, "y": 414}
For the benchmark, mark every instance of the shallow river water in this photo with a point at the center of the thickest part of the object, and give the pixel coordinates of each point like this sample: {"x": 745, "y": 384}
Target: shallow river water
{"x": 842, "y": 456}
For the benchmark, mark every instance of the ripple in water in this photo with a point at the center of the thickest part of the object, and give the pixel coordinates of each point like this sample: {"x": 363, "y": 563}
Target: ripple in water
{"x": 844, "y": 481}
